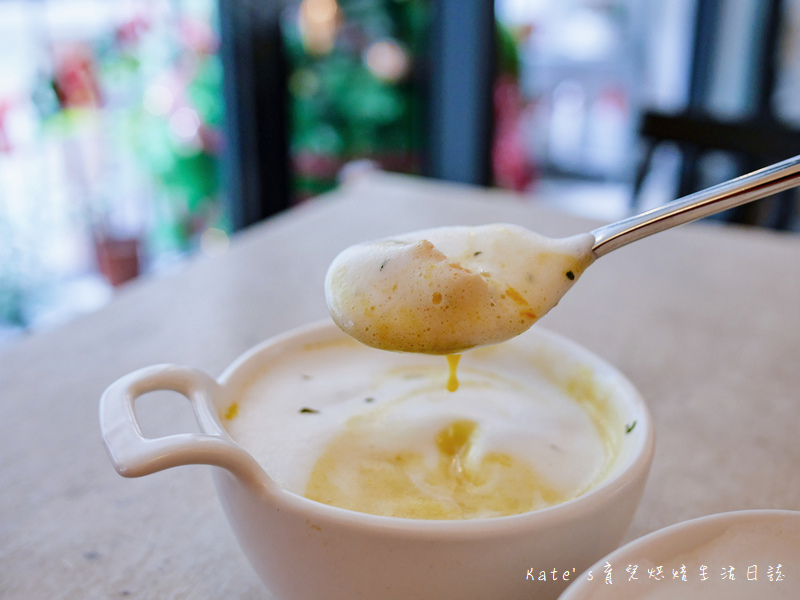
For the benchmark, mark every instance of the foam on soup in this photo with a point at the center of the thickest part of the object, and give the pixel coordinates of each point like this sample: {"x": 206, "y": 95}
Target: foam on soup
{"x": 448, "y": 289}
{"x": 377, "y": 432}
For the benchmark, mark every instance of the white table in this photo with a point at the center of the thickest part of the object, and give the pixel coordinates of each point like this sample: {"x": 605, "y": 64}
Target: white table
{"x": 704, "y": 319}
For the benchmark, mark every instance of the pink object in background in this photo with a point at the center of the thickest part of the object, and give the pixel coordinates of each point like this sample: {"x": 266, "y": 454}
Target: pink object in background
{"x": 117, "y": 258}
{"x": 511, "y": 166}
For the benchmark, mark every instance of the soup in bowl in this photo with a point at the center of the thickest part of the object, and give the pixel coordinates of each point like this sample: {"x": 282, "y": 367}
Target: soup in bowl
{"x": 352, "y": 473}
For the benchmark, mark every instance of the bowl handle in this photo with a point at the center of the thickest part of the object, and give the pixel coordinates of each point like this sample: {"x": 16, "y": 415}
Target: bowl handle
{"x": 134, "y": 455}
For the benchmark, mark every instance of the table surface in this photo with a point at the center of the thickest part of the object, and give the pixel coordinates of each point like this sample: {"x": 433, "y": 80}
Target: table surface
{"x": 703, "y": 319}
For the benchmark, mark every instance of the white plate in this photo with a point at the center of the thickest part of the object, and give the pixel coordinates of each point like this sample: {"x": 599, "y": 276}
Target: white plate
{"x": 742, "y": 555}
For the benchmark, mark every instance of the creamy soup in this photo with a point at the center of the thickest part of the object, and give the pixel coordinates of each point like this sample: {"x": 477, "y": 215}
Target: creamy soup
{"x": 442, "y": 291}
{"x": 377, "y": 432}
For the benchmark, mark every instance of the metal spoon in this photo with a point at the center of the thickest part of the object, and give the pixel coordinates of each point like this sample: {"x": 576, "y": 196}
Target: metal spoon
{"x": 730, "y": 194}
{"x": 448, "y": 289}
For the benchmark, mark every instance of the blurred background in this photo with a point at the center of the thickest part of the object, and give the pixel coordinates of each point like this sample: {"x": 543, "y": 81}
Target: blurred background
{"x": 137, "y": 133}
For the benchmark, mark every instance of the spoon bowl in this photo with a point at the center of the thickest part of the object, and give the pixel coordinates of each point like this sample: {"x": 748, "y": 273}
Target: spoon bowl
{"x": 449, "y": 289}
{"x": 445, "y": 290}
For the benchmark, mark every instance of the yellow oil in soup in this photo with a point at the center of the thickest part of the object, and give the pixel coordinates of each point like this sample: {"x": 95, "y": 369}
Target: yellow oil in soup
{"x": 459, "y": 484}
{"x": 377, "y": 432}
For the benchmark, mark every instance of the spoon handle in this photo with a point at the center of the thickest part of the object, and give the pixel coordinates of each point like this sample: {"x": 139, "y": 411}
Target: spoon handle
{"x": 747, "y": 188}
